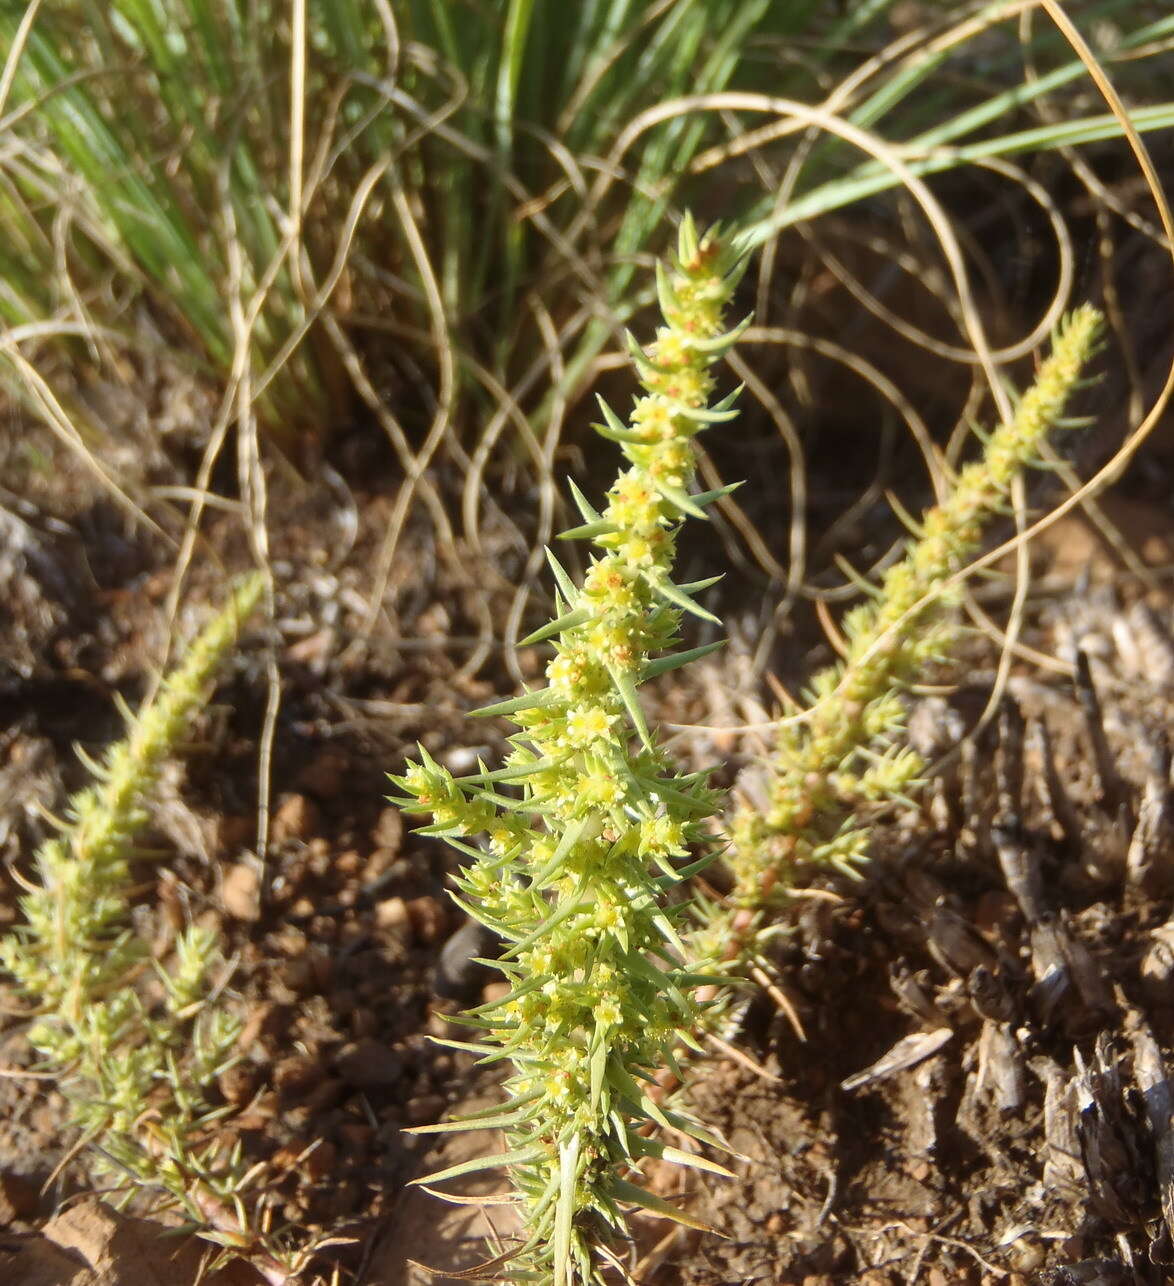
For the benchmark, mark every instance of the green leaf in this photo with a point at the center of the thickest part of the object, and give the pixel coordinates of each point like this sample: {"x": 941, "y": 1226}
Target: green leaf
{"x": 569, "y": 839}
{"x": 598, "y": 1066}
{"x": 615, "y": 429}
{"x": 494, "y": 1119}
{"x": 720, "y": 343}
{"x": 695, "y": 1161}
{"x": 570, "y": 593}
{"x": 667, "y": 590}
{"x": 526, "y": 701}
{"x": 568, "y": 1174}
{"x": 520, "y": 1156}
{"x": 580, "y": 616}
{"x": 643, "y": 363}
{"x": 680, "y": 498}
{"x": 622, "y": 1080}
{"x": 626, "y": 686}
{"x": 663, "y": 664}
{"x": 589, "y": 530}
{"x": 635, "y": 1196}
{"x": 586, "y": 509}
{"x": 516, "y": 993}
{"x": 708, "y": 497}
{"x": 715, "y": 414}
{"x": 512, "y": 773}
{"x": 563, "y": 911}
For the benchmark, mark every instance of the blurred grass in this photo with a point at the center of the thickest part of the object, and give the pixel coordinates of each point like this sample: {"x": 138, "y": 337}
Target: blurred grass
{"x": 277, "y": 181}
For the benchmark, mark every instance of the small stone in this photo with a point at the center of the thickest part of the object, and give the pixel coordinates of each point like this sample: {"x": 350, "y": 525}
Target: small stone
{"x": 494, "y": 991}
{"x": 363, "y": 1022}
{"x": 392, "y": 913}
{"x": 389, "y": 830}
{"x": 348, "y": 863}
{"x": 239, "y": 1083}
{"x": 428, "y": 918}
{"x": 355, "y": 1137}
{"x": 296, "y": 818}
{"x": 299, "y": 974}
{"x": 325, "y": 1096}
{"x": 423, "y": 1109}
{"x": 321, "y": 1160}
{"x": 19, "y": 1197}
{"x": 369, "y": 1064}
{"x": 296, "y": 1075}
{"x": 233, "y": 833}
{"x": 458, "y": 975}
{"x": 326, "y": 774}
{"x": 240, "y": 892}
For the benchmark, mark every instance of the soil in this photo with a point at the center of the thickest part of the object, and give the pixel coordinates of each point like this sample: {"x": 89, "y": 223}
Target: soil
{"x": 965, "y": 1083}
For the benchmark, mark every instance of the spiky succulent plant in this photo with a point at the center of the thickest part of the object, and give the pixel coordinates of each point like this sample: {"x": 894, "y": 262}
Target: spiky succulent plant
{"x": 849, "y": 748}
{"x": 134, "y": 1070}
{"x": 587, "y": 828}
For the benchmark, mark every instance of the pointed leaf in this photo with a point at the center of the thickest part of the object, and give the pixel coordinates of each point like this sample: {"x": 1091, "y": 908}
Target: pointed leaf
{"x": 680, "y": 498}
{"x": 708, "y": 497}
{"x": 666, "y": 589}
{"x": 501, "y": 1121}
{"x": 635, "y": 1196}
{"x": 568, "y": 1174}
{"x": 720, "y": 343}
{"x": 570, "y": 593}
{"x": 615, "y": 430}
{"x": 580, "y": 616}
{"x": 626, "y": 686}
{"x": 589, "y": 512}
{"x": 589, "y": 530}
{"x": 526, "y": 701}
{"x": 663, "y": 664}
{"x": 569, "y": 839}
{"x": 715, "y": 414}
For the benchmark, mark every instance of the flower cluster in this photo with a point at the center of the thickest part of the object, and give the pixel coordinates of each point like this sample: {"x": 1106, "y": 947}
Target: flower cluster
{"x": 847, "y": 750}
{"x": 134, "y": 1072}
{"x": 587, "y": 827}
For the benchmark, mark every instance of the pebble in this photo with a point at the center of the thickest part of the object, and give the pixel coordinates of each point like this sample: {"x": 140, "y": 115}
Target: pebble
{"x": 322, "y": 1160}
{"x": 299, "y": 974}
{"x": 355, "y": 1137}
{"x": 296, "y": 818}
{"x": 239, "y": 1083}
{"x": 296, "y": 1075}
{"x": 392, "y": 913}
{"x": 240, "y": 892}
{"x": 348, "y": 864}
{"x": 369, "y": 1064}
{"x": 429, "y": 917}
{"x": 19, "y": 1197}
{"x": 457, "y": 975}
{"x": 423, "y": 1109}
{"x": 388, "y": 832}
{"x": 325, "y": 774}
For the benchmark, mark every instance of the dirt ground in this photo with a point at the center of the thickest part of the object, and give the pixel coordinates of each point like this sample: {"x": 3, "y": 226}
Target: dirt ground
{"x": 966, "y": 1082}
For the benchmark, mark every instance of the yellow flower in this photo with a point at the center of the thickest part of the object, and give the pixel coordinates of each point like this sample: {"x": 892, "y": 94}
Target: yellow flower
{"x": 607, "y": 1013}
{"x": 661, "y": 836}
{"x": 586, "y": 724}
{"x": 600, "y": 788}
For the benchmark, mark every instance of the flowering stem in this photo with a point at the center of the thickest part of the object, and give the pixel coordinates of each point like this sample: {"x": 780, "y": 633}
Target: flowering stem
{"x": 587, "y": 824}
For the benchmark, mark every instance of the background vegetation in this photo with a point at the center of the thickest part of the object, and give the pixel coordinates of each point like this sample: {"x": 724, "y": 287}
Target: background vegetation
{"x": 249, "y": 248}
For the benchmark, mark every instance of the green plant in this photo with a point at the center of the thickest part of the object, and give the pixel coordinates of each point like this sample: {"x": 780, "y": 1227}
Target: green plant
{"x": 134, "y": 1071}
{"x": 846, "y": 751}
{"x": 279, "y": 181}
{"x": 575, "y": 868}
{"x": 579, "y": 864}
